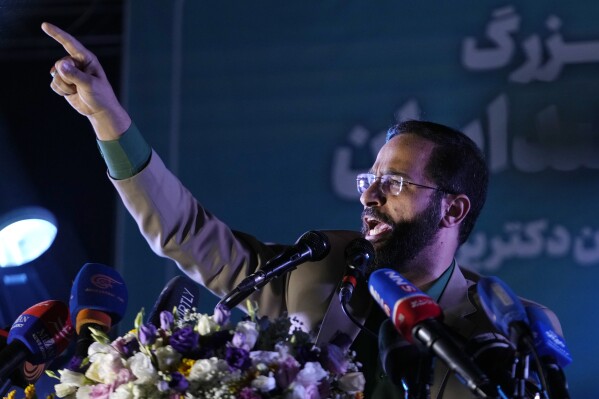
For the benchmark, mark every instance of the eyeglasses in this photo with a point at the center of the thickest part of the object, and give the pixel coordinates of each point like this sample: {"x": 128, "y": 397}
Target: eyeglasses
{"x": 390, "y": 184}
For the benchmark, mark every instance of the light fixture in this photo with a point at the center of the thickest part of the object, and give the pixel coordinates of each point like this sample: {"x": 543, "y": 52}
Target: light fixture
{"x": 25, "y": 234}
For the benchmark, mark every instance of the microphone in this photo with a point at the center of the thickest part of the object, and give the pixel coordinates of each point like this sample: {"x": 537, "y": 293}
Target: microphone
{"x": 508, "y": 314}
{"x": 417, "y": 317}
{"x": 38, "y": 335}
{"x": 495, "y": 355}
{"x": 26, "y": 373}
{"x": 546, "y": 340}
{"x": 3, "y": 337}
{"x": 552, "y": 350}
{"x": 359, "y": 255}
{"x": 180, "y": 293}
{"x": 310, "y": 247}
{"x": 406, "y": 365}
{"x": 504, "y": 309}
{"x": 98, "y": 300}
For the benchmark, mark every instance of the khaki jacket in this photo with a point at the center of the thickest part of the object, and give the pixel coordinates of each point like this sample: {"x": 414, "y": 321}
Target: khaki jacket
{"x": 176, "y": 226}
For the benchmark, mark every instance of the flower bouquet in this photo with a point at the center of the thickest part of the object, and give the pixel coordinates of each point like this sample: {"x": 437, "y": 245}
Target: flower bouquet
{"x": 194, "y": 355}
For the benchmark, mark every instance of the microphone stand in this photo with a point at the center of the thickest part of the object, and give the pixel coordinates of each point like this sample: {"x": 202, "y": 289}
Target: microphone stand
{"x": 234, "y": 298}
{"x": 424, "y": 378}
{"x": 520, "y": 375}
{"x": 520, "y": 337}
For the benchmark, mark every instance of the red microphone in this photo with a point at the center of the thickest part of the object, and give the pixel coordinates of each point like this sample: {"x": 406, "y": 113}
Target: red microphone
{"x": 418, "y": 318}
{"x": 38, "y": 335}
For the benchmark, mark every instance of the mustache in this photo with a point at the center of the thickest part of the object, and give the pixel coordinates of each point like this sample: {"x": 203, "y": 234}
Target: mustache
{"x": 378, "y": 215}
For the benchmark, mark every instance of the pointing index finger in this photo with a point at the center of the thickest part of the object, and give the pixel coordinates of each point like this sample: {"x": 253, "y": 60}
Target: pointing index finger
{"x": 69, "y": 43}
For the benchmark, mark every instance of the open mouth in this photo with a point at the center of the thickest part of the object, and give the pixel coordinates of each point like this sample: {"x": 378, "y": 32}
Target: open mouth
{"x": 375, "y": 228}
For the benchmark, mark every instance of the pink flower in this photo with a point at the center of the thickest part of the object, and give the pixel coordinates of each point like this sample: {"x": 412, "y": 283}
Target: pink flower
{"x": 100, "y": 391}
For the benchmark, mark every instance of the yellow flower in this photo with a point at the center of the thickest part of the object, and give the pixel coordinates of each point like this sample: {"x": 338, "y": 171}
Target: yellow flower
{"x": 11, "y": 395}
{"x": 30, "y": 392}
{"x": 185, "y": 366}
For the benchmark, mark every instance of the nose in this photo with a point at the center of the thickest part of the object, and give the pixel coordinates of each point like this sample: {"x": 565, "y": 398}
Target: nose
{"x": 373, "y": 196}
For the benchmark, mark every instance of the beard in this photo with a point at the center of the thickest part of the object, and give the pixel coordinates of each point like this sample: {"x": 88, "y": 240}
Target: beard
{"x": 408, "y": 238}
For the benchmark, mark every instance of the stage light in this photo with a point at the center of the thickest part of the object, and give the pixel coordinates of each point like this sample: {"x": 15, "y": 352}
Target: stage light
{"x": 25, "y": 234}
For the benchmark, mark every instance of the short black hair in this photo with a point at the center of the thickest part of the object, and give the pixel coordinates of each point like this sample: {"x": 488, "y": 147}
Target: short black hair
{"x": 456, "y": 165}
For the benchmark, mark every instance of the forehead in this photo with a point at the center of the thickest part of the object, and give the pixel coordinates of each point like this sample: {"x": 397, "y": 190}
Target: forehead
{"x": 405, "y": 154}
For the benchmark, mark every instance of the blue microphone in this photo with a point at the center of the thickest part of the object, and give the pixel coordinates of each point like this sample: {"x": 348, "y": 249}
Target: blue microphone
{"x": 547, "y": 341}
{"x": 38, "y": 336}
{"x": 504, "y": 309}
{"x": 508, "y": 314}
{"x": 552, "y": 350}
{"x": 99, "y": 300}
{"x": 26, "y": 373}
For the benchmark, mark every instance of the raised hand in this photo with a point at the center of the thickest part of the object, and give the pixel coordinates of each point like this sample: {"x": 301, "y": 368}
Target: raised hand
{"x": 81, "y": 80}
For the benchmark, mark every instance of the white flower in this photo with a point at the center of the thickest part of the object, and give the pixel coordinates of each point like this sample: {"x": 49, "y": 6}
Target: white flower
{"x": 352, "y": 382}
{"x": 311, "y": 374}
{"x": 84, "y": 392}
{"x": 206, "y": 325}
{"x": 114, "y": 373}
{"x": 264, "y": 383}
{"x": 204, "y": 369}
{"x": 248, "y": 329}
{"x": 267, "y": 357}
{"x": 99, "y": 348}
{"x": 167, "y": 357}
{"x": 142, "y": 368}
{"x": 104, "y": 367}
{"x": 122, "y": 392}
{"x": 69, "y": 382}
{"x": 296, "y": 391}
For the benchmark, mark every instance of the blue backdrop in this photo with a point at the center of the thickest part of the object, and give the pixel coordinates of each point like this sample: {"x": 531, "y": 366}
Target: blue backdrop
{"x": 267, "y": 110}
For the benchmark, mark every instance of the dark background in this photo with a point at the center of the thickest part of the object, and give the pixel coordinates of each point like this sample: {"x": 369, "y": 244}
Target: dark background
{"x": 53, "y": 146}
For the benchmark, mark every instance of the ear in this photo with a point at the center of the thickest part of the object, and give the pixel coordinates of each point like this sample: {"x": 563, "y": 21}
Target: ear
{"x": 456, "y": 208}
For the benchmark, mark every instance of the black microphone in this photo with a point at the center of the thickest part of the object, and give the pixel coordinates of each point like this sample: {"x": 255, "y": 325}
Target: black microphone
{"x": 359, "y": 255}
{"x": 310, "y": 247}
{"x": 418, "y": 318}
{"x": 180, "y": 293}
{"x": 406, "y": 365}
{"x": 495, "y": 355}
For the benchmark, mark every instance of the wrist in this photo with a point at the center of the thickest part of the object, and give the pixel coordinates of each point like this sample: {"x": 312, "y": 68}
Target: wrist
{"x": 110, "y": 125}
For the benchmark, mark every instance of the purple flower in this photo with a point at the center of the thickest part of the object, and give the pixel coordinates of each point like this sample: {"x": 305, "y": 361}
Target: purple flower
{"x": 184, "y": 340}
{"x": 333, "y": 359}
{"x": 238, "y": 358}
{"x": 126, "y": 348}
{"x": 238, "y": 340}
{"x": 248, "y": 393}
{"x": 147, "y": 334}
{"x": 312, "y": 392}
{"x": 162, "y": 386}
{"x": 75, "y": 364}
{"x": 221, "y": 315}
{"x": 178, "y": 382}
{"x": 166, "y": 320}
{"x": 287, "y": 371}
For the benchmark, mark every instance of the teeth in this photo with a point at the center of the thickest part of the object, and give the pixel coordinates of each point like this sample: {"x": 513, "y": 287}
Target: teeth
{"x": 378, "y": 229}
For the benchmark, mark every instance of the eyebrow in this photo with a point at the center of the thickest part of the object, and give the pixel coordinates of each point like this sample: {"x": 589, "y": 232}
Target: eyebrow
{"x": 392, "y": 173}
